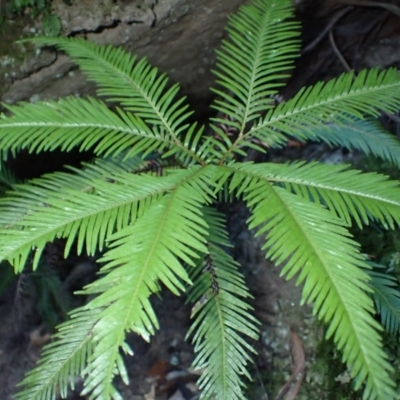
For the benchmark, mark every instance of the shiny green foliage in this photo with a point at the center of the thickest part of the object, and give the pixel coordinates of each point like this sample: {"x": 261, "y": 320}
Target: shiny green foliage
{"x": 7, "y": 179}
{"x": 225, "y": 319}
{"x": 387, "y": 299}
{"x": 365, "y": 135}
{"x": 147, "y": 202}
{"x": 66, "y": 356}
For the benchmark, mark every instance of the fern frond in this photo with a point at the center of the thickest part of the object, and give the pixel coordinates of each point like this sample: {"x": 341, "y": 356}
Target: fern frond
{"x": 150, "y": 251}
{"x": 7, "y": 179}
{"x": 386, "y": 296}
{"x": 251, "y": 66}
{"x": 63, "y": 359}
{"x": 369, "y": 93}
{"x": 75, "y": 122}
{"x": 106, "y": 168}
{"x": 349, "y": 193}
{"x": 159, "y": 230}
{"x": 366, "y": 135}
{"x": 51, "y": 207}
{"x": 313, "y": 242}
{"x": 221, "y": 318}
{"x": 136, "y": 85}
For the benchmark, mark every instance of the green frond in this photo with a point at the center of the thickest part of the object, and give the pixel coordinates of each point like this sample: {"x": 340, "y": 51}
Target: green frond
{"x": 106, "y": 168}
{"x": 52, "y": 300}
{"x": 7, "y": 179}
{"x": 222, "y": 318}
{"x": 369, "y": 93}
{"x": 141, "y": 256}
{"x": 136, "y": 85}
{"x": 252, "y": 65}
{"x": 386, "y": 296}
{"x": 336, "y": 101}
{"x": 55, "y": 206}
{"x": 313, "y": 243}
{"x": 63, "y": 359}
{"x": 366, "y": 135}
{"x": 75, "y": 122}
{"x": 154, "y": 220}
{"x": 348, "y": 193}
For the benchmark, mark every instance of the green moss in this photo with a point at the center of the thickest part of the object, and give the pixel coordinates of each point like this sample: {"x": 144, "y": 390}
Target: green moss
{"x": 328, "y": 378}
{"x": 12, "y": 55}
{"x": 15, "y": 9}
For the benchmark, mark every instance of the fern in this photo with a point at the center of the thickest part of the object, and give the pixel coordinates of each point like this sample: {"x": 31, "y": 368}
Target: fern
{"x": 365, "y": 135}
{"x": 222, "y": 317}
{"x": 66, "y": 357}
{"x": 257, "y": 34}
{"x": 348, "y": 193}
{"x": 50, "y": 208}
{"x": 146, "y": 202}
{"x": 387, "y": 299}
{"x": 7, "y": 179}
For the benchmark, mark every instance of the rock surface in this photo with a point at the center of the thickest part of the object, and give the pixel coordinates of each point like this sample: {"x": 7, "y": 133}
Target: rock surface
{"x": 177, "y": 36}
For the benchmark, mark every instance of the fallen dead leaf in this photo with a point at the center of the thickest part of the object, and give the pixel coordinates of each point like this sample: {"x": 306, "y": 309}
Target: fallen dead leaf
{"x": 291, "y": 388}
{"x": 37, "y": 339}
{"x": 152, "y": 394}
{"x": 158, "y": 372}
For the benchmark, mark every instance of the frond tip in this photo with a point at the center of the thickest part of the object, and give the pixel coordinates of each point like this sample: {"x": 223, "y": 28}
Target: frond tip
{"x": 365, "y": 135}
{"x": 251, "y": 66}
{"x": 63, "y": 359}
